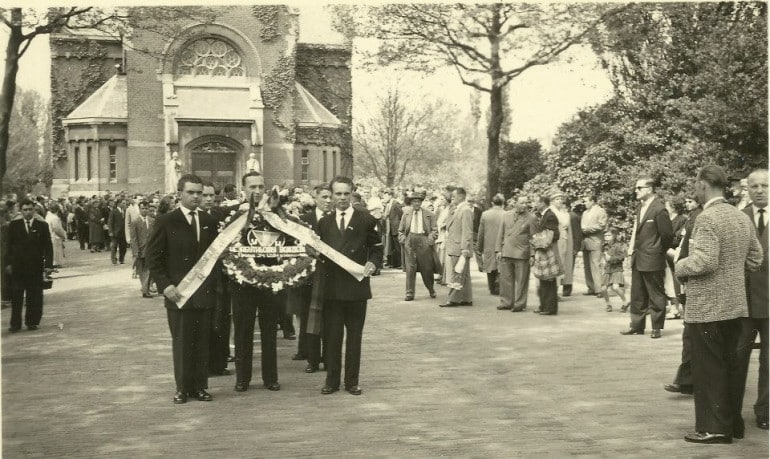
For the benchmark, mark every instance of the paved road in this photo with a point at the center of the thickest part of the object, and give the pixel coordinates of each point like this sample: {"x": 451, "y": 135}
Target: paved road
{"x": 96, "y": 380}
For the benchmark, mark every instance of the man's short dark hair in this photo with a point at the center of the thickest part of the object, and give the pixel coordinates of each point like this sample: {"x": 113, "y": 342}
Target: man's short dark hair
{"x": 321, "y": 187}
{"x": 229, "y": 188}
{"x": 714, "y": 175}
{"x": 498, "y": 199}
{"x": 341, "y": 179}
{"x": 649, "y": 181}
{"x": 248, "y": 174}
{"x": 461, "y": 191}
{"x": 26, "y": 202}
{"x": 188, "y": 178}
{"x": 207, "y": 183}
{"x": 143, "y": 204}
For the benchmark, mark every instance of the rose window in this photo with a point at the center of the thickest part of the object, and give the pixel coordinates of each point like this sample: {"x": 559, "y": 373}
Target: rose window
{"x": 210, "y": 57}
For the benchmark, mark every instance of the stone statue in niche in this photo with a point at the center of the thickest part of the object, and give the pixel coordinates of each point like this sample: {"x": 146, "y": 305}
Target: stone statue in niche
{"x": 173, "y": 172}
{"x": 252, "y": 164}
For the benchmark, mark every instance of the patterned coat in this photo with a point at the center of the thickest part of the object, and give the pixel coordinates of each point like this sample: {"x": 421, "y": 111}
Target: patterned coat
{"x": 723, "y": 245}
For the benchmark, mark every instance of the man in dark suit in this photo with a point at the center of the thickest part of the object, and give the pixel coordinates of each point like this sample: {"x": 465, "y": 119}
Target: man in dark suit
{"x": 354, "y": 234}
{"x": 651, "y": 238}
{"x": 116, "y": 224}
{"x": 417, "y": 231}
{"x": 548, "y": 288}
{"x": 177, "y": 241}
{"x": 140, "y": 233}
{"x": 30, "y": 256}
{"x": 309, "y": 345}
{"x": 392, "y": 218}
{"x": 246, "y": 301}
{"x": 219, "y": 339}
{"x": 756, "y": 290}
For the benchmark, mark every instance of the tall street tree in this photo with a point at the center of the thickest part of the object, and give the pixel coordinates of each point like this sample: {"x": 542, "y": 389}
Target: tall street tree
{"x": 488, "y": 45}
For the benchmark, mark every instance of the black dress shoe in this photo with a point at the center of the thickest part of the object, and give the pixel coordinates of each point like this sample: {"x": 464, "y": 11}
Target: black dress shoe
{"x": 299, "y": 356}
{"x": 432, "y": 294}
{"x": 502, "y": 308}
{"x": 632, "y": 331}
{"x": 146, "y": 295}
{"x": 354, "y": 390}
{"x": 589, "y": 294}
{"x": 31, "y": 327}
{"x": 655, "y": 333}
{"x": 311, "y": 368}
{"x": 329, "y": 390}
{"x": 546, "y": 313}
{"x": 707, "y": 438}
{"x": 14, "y": 330}
{"x": 241, "y": 387}
{"x": 224, "y": 372}
{"x": 518, "y": 310}
{"x": 449, "y": 304}
{"x": 408, "y": 298}
{"x": 291, "y": 336}
{"x": 203, "y": 396}
{"x": 678, "y": 388}
{"x": 179, "y": 398}
{"x": 273, "y": 386}
{"x": 762, "y": 423}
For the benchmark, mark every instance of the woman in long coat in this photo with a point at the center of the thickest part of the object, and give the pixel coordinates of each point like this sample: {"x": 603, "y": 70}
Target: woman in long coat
{"x": 565, "y": 242}
{"x": 95, "y": 226}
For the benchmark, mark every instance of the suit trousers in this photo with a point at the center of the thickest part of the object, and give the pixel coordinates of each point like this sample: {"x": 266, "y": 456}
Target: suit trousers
{"x": 118, "y": 249}
{"x": 219, "y": 342}
{"x": 717, "y": 376}
{"x": 340, "y": 316}
{"x": 34, "y": 313}
{"x": 592, "y": 271}
{"x": 394, "y": 257}
{"x": 493, "y": 282}
{"x": 418, "y": 255}
{"x": 246, "y": 301}
{"x": 308, "y": 344}
{"x": 647, "y": 297}
{"x": 514, "y": 282}
{"x": 83, "y": 236}
{"x": 749, "y": 329}
{"x": 190, "y": 347}
{"x": 684, "y": 372}
{"x": 547, "y": 292}
{"x": 143, "y": 270}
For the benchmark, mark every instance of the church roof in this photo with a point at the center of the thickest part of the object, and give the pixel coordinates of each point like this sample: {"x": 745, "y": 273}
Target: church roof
{"x": 309, "y": 112}
{"x": 108, "y": 103}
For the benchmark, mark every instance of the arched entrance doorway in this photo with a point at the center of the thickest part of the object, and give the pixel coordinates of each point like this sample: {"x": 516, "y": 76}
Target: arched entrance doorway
{"x": 214, "y": 159}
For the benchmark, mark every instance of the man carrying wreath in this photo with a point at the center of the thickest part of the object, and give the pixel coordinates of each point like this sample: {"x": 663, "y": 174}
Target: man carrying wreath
{"x": 352, "y": 233}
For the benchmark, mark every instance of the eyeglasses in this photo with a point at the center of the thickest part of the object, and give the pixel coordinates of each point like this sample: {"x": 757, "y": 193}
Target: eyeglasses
{"x": 637, "y": 188}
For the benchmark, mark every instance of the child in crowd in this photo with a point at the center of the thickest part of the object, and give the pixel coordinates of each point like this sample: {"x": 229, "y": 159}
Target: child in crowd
{"x": 614, "y": 252}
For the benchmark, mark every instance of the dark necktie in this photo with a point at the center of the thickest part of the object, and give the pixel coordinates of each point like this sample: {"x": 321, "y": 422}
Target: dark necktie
{"x": 342, "y": 223}
{"x": 28, "y": 226}
{"x": 194, "y": 224}
{"x": 761, "y": 222}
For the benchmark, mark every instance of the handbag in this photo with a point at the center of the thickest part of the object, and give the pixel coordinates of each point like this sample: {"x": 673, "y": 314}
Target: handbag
{"x": 47, "y": 282}
{"x": 546, "y": 264}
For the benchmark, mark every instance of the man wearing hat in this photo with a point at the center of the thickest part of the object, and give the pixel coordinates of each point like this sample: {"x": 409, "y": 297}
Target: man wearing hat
{"x": 418, "y": 231}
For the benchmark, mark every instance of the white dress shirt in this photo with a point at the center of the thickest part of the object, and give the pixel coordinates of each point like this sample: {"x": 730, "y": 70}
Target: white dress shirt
{"x": 348, "y": 214}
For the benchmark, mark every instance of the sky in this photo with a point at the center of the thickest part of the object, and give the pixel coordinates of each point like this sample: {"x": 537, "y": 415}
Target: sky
{"x": 542, "y": 98}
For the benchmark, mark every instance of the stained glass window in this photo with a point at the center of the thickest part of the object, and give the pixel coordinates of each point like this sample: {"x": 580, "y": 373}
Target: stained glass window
{"x": 210, "y": 57}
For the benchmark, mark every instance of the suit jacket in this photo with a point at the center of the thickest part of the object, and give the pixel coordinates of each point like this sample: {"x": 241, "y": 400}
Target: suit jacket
{"x": 756, "y": 282}
{"x": 172, "y": 251}
{"x": 140, "y": 234}
{"x": 394, "y": 216}
{"x": 311, "y": 219}
{"x": 515, "y": 233}
{"x": 116, "y": 223}
{"x": 486, "y": 242}
{"x": 360, "y": 243}
{"x": 28, "y": 254}
{"x": 592, "y": 225}
{"x": 654, "y": 235}
{"x": 722, "y": 248}
{"x": 459, "y": 230}
{"x": 429, "y": 226}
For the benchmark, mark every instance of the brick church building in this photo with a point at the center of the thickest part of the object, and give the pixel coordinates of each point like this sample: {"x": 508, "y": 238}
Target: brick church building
{"x": 212, "y": 93}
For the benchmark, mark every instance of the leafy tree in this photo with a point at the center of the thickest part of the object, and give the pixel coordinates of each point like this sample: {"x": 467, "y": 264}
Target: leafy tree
{"x": 28, "y": 153}
{"x": 488, "y": 45}
{"x": 519, "y": 162}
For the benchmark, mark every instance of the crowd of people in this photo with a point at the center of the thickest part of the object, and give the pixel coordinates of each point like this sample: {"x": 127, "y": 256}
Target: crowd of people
{"x": 710, "y": 270}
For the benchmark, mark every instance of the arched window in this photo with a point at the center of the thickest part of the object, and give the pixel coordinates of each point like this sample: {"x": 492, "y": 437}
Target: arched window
{"x": 210, "y": 57}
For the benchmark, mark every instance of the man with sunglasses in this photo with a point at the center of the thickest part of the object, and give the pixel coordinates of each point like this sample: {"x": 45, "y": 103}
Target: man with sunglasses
{"x": 651, "y": 237}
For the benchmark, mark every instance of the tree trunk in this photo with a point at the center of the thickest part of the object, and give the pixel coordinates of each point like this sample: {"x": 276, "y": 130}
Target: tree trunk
{"x": 495, "y": 107}
{"x": 8, "y": 92}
